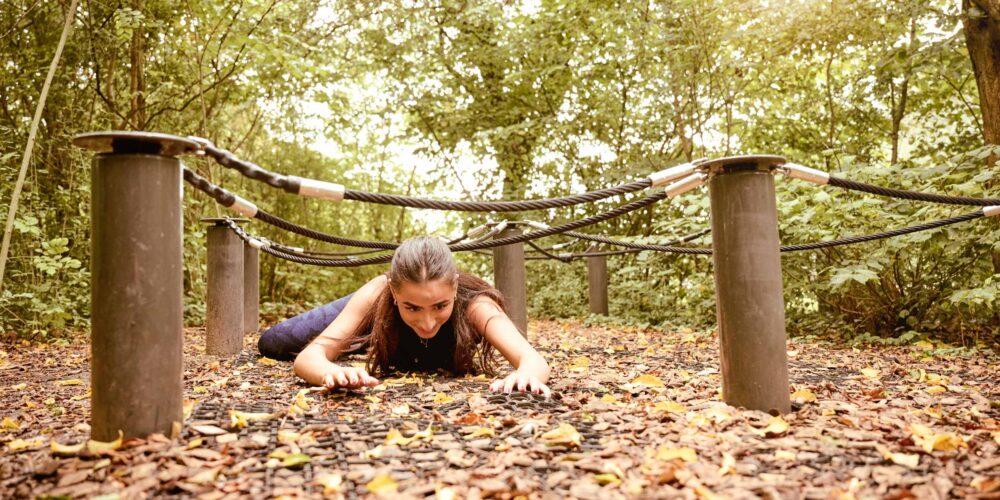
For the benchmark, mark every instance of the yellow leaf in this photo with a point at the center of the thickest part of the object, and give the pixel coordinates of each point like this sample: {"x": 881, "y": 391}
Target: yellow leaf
{"x": 66, "y": 450}
{"x": 803, "y": 396}
{"x": 301, "y": 400}
{"x": 904, "y": 459}
{"x": 930, "y": 441}
{"x": 669, "y": 407}
{"x": 648, "y": 380}
{"x": 287, "y": 436}
{"x": 373, "y": 399}
{"x": 705, "y": 493}
{"x": 25, "y": 444}
{"x": 72, "y": 381}
{"x": 240, "y": 419}
{"x": 603, "y": 479}
{"x": 580, "y": 364}
{"x": 403, "y": 409}
{"x": 196, "y": 442}
{"x": 775, "y": 427}
{"x": 870, "y": 373}
{"x": 445, "y": 494}
{"x": 565, "y": 435}
{"x": 9, "y": 425}
{"x": 441, "y": 398}
{"x": 684, "y": 453}
{"x": 936, "y": 389}
{"x": 296, "y": 460}
{"x": 482, "y": 431}
{"x": 99, "y": 446}
{"x": 609, "y": 398}
{"x": 924, "y": 345}
{"x": 200, "y": 389}
{"x": 785, "y": 455}
{"x": 331, "y": 483}
{"x": 395, "y": 437}
{"x": 81, "y": 397}
{"x": 375, "y": 452}
{"x": 267, "y": 361}
{"x": 19, "y": 387}
{"x": 728, "y": 463}
{"x": 382, "y": 484}
{"x": 934, "y": 411}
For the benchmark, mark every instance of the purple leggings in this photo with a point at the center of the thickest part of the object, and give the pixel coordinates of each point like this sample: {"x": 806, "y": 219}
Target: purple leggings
{"x": 284, "y": 340}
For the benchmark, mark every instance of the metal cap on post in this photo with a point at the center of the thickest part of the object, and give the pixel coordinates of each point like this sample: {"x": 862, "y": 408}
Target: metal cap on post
{"x": 136, "y": 283}
{"x": 224, "y": 320}
{"x": 597, "y": 282}
{"x": 748, "y": 288}
{"x": 509, "y": 276}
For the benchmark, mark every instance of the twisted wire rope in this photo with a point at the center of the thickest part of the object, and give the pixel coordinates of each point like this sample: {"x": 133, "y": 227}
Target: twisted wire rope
{"x": 255, "y": 172}
{"x": 904, "y": 194}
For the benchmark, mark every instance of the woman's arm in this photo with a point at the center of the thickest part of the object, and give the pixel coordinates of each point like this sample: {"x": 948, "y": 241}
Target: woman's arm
{"x": 531, "y": 372}
{"x": 315, "y": 363}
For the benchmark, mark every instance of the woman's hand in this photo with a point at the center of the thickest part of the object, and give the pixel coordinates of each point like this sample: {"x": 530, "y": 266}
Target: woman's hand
{"x": 521, "y": 383}
{"x": 348, "y": 377}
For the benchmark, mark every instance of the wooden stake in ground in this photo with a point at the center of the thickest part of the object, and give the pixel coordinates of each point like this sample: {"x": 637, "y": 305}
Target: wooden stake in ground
{"x": 70, "y": 14}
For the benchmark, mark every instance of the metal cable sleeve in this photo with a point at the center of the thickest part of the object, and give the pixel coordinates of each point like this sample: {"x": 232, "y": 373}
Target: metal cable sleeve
{"x": 251, "y": 170}
{"x": 495, "y": 206}
{"x": 911, "y": 195}
{"x": 220, "y": 195}
{"x": 276, "y": 221}
{"x": 883, "y": 235}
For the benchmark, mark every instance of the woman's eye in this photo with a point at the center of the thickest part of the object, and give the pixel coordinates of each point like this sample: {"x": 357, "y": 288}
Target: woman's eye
{"x": 441, "y": 307}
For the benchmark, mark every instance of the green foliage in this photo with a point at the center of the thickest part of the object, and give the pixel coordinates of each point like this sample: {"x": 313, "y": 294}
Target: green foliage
{"x": 522, "y": 100}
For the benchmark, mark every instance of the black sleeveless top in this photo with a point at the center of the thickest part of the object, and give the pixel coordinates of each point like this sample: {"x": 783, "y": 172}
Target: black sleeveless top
{"x": 412, "y": 355}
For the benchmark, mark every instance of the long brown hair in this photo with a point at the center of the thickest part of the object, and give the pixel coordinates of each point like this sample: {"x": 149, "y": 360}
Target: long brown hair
{"x": 419, "y": 260}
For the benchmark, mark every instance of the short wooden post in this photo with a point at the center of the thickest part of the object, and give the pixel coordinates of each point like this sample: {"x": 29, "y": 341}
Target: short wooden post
{"x": 748, "y": 289}
{"x": 251, "y": 289}
{"x": 509, "y": 277}
{"x": 136, "y": 283}
{"x": 597, "y": 282}
{"x": 225, "y": 297}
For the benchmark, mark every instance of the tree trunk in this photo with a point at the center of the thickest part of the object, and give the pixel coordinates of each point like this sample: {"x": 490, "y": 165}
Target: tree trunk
{"x": 137, "y": 109}
{"x": 981, "y": 19}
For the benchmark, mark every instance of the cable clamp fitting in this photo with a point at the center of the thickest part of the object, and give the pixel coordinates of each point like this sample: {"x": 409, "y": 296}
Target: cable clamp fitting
{"x": 566, "y": 255}
{"x": 243, "y": 207}
{"x": 319, "y": 189}
{"x": 541, "y": 226}
{"x": 476, "y": 231}
{"x": 257, "y": 244}
{"x": 671, "y": 174}
{"x": 560, "y": 246}
{"x": 686, "y": 184}
{"x": 991, "y": 211}
{"x": 812, "y": 175}
{"x": 202, "y": 143}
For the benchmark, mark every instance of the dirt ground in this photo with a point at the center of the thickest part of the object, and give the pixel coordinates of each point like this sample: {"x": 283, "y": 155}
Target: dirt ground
{"x": 635, "y": 414}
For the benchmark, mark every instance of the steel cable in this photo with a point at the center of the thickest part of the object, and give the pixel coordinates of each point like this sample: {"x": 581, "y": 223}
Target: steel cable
{"x": 904, "y": 194}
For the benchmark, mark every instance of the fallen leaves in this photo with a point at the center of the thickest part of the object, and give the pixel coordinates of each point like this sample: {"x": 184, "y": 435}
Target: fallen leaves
{"x": 564, "y": 435}
{"x": 776, "y": 426}
{"x": 930, "y": 441}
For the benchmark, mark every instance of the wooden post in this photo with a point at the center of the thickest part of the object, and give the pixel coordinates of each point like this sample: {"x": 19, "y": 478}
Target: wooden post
{"x": 225, "y": 298}
{"x": 509, "y": 275}
{"x": 748, "y": 289}
{"x": 251, "y": 289}
{"x": 597, "y": 282}
{"x": 136, "y": 283}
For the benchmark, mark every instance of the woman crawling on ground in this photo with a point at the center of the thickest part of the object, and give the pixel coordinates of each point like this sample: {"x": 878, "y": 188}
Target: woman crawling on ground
{"x": 423, "y": 315}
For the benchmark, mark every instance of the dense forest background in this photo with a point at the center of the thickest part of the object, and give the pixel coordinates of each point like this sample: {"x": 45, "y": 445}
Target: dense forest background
{"x": 525, "y": 99}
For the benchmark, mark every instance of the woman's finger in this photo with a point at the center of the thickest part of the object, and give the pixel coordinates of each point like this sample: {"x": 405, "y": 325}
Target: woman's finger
{"x": 522, "y": 383}
{"x": 508, "y": 385}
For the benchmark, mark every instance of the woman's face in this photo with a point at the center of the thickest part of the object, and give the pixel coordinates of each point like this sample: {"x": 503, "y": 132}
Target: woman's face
{"x": 426, "y": 306}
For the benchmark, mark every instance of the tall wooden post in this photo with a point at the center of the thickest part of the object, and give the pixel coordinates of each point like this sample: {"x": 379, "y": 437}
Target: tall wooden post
{"x": 597, "y": 282}
{"x": 136, "y": 283}
{"x": 509, "y": 275}
{"x": 748, "y": 289}
{"x": 224, "y": 319}
{"x": 251, "y": 289}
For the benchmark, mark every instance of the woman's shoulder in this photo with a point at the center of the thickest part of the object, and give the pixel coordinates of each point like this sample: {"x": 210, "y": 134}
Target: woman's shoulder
{"x": 374, "y": 286}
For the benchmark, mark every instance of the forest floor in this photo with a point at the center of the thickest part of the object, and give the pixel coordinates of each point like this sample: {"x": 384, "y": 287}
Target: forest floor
{"x": 634, "y": 414}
